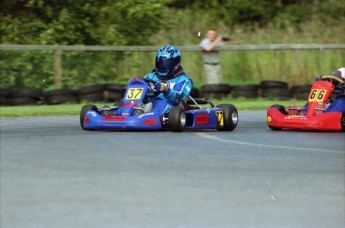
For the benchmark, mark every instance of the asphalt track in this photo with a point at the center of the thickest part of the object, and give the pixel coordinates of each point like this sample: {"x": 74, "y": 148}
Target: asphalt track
{"x": 54, "y": 174}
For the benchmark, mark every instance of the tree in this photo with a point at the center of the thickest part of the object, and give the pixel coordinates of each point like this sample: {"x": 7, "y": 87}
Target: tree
{"x": 71, "y": 22}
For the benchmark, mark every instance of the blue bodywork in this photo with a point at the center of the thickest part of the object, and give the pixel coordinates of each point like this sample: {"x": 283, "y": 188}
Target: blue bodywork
{"x": 125, "y": 117}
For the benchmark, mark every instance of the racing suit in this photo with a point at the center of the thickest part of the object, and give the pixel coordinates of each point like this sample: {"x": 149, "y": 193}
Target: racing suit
{"x": 179, "y": 86}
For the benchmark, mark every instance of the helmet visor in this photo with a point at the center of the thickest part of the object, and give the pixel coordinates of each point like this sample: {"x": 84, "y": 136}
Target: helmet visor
{"x": 166, "y": 67}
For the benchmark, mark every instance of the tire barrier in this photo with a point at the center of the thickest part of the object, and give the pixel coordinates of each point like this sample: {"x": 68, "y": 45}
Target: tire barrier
{"x": 26, "y": 96}
{"x": 4, "y": 94}
{"x": 195, "y": 93}
{"x": 215, "y": 91}
{"x": 275, "y": 90}
{"x": 113, "y": 92}
{"x": 301, "y": 92}
{"x": 245, "y": 91}
{"x": 61, "y": 96}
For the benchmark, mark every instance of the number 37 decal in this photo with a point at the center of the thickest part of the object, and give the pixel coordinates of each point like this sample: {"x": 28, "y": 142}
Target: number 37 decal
{"x": 134, "y": 93}
{"x": 317, "y": 95}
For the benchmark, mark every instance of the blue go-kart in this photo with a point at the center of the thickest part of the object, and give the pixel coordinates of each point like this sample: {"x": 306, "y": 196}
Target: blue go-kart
{"x": 131, "y": 114}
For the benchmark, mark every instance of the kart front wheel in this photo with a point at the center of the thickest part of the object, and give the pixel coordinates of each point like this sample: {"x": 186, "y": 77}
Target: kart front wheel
{"x": 230, "y": 117}
{"x": 177, "y": 119}
{"x": 83, "y": 112}
{"x": 280, "y": 108}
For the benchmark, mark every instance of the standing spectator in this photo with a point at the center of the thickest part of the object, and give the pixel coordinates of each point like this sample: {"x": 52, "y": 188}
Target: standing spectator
{"x": 211, "y": 56}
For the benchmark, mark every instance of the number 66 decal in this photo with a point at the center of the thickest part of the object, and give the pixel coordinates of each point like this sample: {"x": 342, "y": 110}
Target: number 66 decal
{"x": 317, "y": 95}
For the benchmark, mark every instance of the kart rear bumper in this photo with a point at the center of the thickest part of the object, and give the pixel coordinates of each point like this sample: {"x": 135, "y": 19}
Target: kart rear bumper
{"x": 329, "y": 121}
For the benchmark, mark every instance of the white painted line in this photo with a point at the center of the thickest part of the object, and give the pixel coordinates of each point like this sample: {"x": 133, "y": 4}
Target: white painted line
{"x": 208, "y": 136}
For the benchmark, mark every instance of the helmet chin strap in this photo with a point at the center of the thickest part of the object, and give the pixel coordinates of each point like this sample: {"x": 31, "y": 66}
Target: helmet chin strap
{"x": 178, "y": 72}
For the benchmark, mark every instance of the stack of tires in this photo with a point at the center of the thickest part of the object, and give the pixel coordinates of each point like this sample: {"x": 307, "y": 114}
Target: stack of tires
{"x": 26, "y": 96}
{"x": 61, "y": 96}
{"x": 91, "y": 93}
{"x": 4, "y": 94}
{"x": 275, "y": 90}
{"x": 216, "y": 91}
{"x": 195, "y": 93}
{"x": 301, "y": 92}
{"x": 245, "y": 91}
{"x": 110, "y": 92}
{"x": 113, "y": 92}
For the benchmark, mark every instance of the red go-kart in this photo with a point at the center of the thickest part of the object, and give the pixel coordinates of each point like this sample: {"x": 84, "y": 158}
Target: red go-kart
{"x": 315, "y": 117}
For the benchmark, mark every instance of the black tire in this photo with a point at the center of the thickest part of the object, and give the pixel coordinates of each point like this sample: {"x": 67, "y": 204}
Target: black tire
{"x": 60, "y": 92}
{"x": 3, "y": 101}
{"x": 245, "y": 94}
{"x": 114, "y": 86}
{"x": 302, "y": 96}
{"x": 245, "y": 88}
{"x": 112, "y": 96}
{"x": 266, "y": 84}
{"x": 92, "y": 89}
{"x": 62, "y": 99}
{"x": 4, "y": 92}
{"x": 26, "y": 92}
{"x": 177, "y": 119}
{"x": 216, "y": 96}
{"x": 274, "y": 128}
{"x": 23, "y": 101}
{"x": 281, "y": 108}
{"x": 194, "y": 92}
{"x": 304, "y": 88}
{"x": 83, "y": 112}
{"x": 215, "y": 88}
{"x": 277, "y": 93}
{"x": 246, "y": 91}
{"x": 230, "y": 115}
{"x": 216, "y": 91}
{"x": 92, "y": 97}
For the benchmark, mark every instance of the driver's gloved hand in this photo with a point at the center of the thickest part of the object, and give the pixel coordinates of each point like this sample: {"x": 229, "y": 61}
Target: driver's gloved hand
{"x": 160, "y": 86}
{"x": 155, "y": 87}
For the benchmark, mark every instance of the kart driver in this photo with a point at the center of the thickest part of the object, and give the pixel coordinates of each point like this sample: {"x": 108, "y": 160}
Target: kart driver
{"x": 337, "y": 103}
{"x": 172, "y": 83}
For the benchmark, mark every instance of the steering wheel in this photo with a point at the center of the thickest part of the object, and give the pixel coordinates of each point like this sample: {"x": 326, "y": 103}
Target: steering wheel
{"x": 155, "y": 93}
{"x": 330, "y": 78}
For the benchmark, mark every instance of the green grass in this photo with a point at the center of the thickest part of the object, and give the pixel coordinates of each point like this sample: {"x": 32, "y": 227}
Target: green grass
{"x": 74, "y": 109}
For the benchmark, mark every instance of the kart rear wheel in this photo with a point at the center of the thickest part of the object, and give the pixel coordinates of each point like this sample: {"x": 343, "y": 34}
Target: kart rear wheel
{"x": 83, "y": 112}
{"x": 177, "y": 119}
{"x": 230, "y": 116}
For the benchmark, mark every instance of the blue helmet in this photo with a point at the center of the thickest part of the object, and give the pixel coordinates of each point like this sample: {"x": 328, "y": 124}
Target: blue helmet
{"x": 168, "y": 60}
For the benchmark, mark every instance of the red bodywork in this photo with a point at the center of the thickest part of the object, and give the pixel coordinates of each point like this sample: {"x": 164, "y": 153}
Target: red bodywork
{"x": 328, "y": 121}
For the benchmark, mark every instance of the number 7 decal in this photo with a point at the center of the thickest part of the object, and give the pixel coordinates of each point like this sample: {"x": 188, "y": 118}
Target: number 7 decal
{"x": 220, "y": 117}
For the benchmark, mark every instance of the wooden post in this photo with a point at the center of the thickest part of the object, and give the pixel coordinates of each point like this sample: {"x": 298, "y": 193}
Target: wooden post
{"x": 57, "y": 69}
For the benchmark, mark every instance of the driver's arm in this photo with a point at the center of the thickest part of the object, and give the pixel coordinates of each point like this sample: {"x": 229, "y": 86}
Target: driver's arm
{"x": 179, "y": 92}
